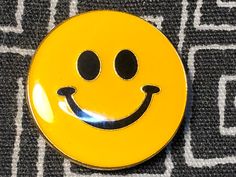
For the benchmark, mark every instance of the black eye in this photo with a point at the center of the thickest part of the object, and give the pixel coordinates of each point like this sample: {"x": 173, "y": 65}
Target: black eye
{"x": 88, "y": 65}
{"x": 126, "y": 64}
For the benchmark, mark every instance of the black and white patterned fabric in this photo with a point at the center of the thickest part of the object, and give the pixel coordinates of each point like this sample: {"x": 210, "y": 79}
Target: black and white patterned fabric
{"x": 203, "y": 32}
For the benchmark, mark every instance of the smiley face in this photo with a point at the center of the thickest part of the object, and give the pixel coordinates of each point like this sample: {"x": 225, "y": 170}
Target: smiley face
{"x": 126, "y": 67}
{"x": 107, "y": 89}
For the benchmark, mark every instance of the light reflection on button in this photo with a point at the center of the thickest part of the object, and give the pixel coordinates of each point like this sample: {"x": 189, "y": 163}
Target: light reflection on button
{"x": 42, "y": 104}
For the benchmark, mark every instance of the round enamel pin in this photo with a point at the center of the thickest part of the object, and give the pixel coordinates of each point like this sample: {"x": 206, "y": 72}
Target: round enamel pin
{"x": 107, "y": 89}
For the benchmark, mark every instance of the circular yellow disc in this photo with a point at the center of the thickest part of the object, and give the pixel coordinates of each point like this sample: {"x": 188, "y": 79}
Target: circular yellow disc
{"x": 107, "y": 89}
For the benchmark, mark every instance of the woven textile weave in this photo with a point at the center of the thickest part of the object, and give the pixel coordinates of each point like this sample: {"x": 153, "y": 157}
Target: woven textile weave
{"x": 203, "y": 32}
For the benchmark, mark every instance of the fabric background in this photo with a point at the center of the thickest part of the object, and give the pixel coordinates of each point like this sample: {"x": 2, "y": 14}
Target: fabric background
{"x": 203, "y": 32}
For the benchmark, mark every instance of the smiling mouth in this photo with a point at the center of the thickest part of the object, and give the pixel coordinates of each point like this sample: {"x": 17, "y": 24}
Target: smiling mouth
{"x": 96, "y": 121}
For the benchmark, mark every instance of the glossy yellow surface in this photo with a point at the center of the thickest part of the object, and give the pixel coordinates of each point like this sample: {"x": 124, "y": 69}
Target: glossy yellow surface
{"x": 106, "y": 33}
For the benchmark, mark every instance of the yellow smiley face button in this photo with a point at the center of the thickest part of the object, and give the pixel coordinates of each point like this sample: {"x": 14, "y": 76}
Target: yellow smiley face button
{"x": 107, "y": 89}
